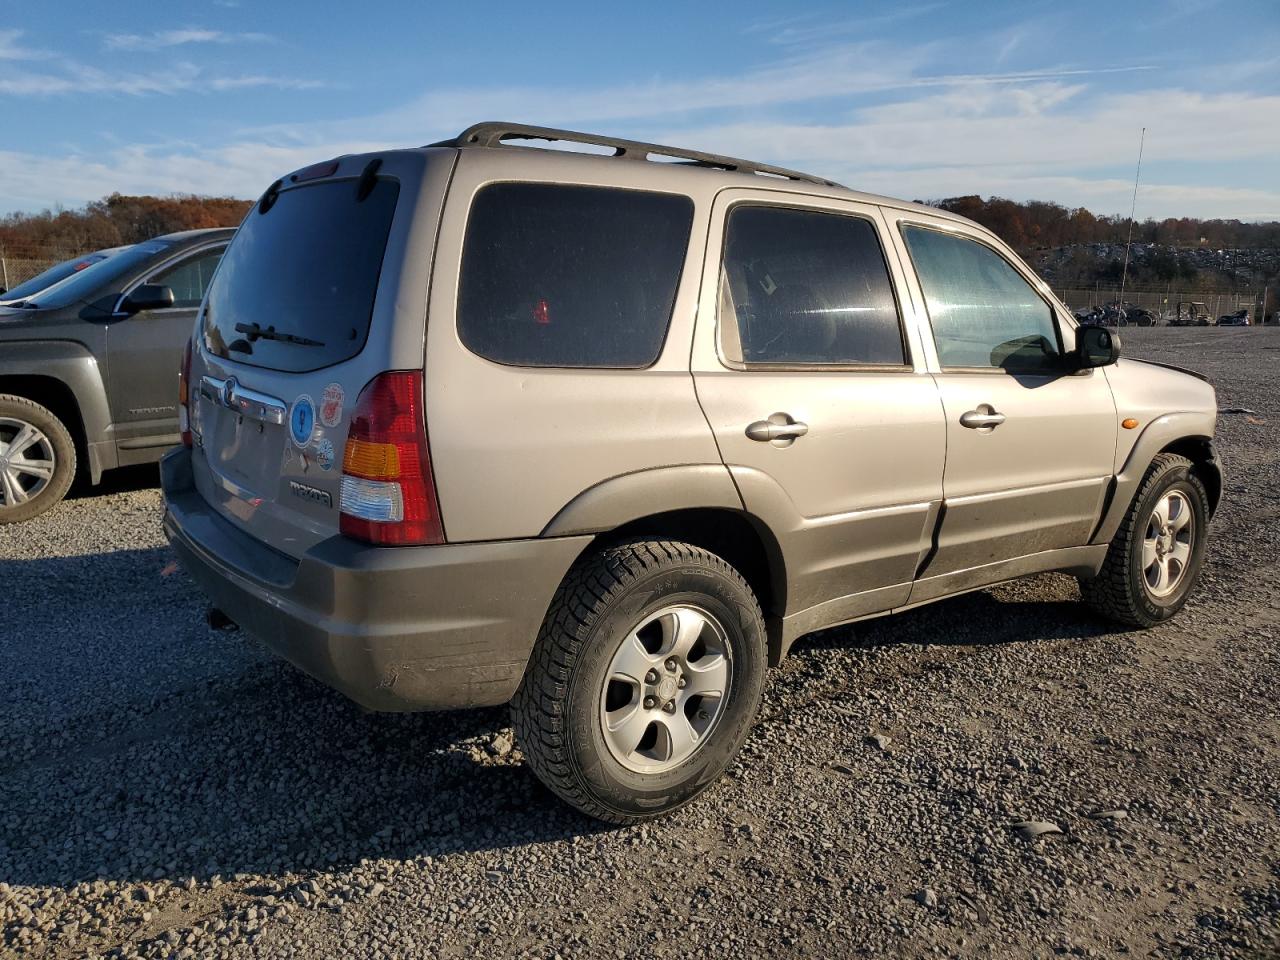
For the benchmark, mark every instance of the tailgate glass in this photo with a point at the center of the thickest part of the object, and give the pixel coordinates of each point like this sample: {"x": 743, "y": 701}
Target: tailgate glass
{"x": 307, "y": 268}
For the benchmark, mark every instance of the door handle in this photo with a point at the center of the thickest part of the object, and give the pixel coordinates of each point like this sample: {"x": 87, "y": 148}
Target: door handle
{"x": 984, "y": 418}
{"x": 780, "y": 426}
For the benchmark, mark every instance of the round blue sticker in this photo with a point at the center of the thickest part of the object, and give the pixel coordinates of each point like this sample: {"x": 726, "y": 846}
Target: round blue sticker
{"x": 302, "y": 420}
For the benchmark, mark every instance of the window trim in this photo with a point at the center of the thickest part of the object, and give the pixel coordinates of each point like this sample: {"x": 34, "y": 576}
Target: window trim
{"x": 743, "y": 366}
{"x": 465, "y": 227}
{"x": 174, "y": 260}
{"x": 1031, "y": 282}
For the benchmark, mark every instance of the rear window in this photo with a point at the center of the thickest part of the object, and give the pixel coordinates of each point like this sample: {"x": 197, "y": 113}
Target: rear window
{"x": 571, "y": 276}
{"x": 309, "y": 268}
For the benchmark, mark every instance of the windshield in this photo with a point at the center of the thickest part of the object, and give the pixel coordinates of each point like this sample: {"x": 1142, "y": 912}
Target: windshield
{"x": 51, "y": 276}
{"x": 308, "y": 268}
{"x": 80, "y": 286}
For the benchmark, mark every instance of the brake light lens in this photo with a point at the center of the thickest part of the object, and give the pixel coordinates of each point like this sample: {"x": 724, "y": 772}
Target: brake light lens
{"x": 315, "y": 171}
{"x": 184, "y": 397}
{"x": 388, "y": 493}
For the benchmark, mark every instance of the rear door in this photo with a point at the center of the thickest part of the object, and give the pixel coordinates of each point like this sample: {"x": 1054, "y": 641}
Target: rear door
{"x": 144, "y": 351}
{"x": 315, "y": 296}
{"x": 810, "y": 375}
{"x": 1030, "y": 442}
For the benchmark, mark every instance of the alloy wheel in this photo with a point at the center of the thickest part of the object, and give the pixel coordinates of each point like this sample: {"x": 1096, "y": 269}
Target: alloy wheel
{"x": 666, "y": 688}
{"x": 1167, "y": 543}
{"x": 27, "y": 462}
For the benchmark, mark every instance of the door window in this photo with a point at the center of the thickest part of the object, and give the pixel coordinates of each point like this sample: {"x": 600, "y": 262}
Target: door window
{"x": 190, "y": 278}
{"x": 983, "y": 313}
{"x": 806, "y": 287}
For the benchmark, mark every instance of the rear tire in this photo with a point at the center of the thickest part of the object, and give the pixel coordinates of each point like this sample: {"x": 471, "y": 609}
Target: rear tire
{"x": 37, "y": 459}
{"x": 644, "y": 681}
{"x": 1155, "y": 557}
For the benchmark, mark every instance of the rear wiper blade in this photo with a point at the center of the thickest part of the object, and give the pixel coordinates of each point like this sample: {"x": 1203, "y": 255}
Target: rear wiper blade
{"x": 255, "y": 331}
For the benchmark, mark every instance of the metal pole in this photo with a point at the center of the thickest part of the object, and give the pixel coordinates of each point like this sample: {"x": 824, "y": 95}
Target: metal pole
{"x": 1124, "y": 274}
{"x": 4, "y": 268}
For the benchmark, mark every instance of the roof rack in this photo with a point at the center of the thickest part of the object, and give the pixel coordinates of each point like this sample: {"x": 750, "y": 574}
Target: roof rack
{"x": 496, "y": 134}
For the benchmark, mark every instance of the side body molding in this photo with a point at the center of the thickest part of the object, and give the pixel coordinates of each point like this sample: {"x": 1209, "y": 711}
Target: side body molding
{"x": 75, "y": 367}
{"x": 632, "y": 496}
{"x": 1188, "y": 426}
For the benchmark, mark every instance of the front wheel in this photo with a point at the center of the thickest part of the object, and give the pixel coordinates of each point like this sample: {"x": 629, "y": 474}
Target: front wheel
{"x": 37, "y": 459}
{"x": 1155, "y": 557}
{"x": 644, "y": 681}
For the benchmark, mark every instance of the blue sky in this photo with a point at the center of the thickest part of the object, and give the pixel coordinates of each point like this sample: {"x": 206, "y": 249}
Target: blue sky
{"x": 1029, "y": 100}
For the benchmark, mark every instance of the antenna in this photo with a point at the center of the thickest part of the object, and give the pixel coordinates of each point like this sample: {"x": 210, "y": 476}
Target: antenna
{"x": 1124, "y": 274}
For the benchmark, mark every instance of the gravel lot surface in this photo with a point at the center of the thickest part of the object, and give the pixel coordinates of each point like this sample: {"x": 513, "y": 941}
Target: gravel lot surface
{"x": 167, "y": 790}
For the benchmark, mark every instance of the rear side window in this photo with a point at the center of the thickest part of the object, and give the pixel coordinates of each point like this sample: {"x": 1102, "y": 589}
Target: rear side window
{"x": 983, "y": 313}
{"x": 806, "y": 287}
{"x": 308, "y": 268}
{"x": 189, "y": 279}
{"x": 571, "y": 276}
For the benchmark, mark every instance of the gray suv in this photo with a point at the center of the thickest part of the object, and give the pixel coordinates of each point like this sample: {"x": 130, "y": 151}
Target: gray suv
{"x": 88, "y": 366}
{"x": 601, "y": 436}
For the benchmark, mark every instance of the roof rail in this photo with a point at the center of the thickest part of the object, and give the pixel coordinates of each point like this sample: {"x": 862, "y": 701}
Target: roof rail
{"x": 496, "y": 134}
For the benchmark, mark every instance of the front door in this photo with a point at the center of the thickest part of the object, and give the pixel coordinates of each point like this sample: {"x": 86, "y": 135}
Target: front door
{"x": 144, "y": 352}
{"x": 811, "y": 381}
{"x": 1030, "y": 442}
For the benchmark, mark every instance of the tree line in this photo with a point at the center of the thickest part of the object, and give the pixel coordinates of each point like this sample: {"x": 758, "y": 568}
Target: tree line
{"x": 112, "y": 222}
{"x": 1036, "y": 224}
{"x": 1029, "y": 226}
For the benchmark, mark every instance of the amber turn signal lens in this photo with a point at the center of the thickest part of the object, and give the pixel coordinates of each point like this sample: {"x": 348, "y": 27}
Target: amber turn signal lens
{"x": 1129, "y": 424}
{"x": 372, "y": 461}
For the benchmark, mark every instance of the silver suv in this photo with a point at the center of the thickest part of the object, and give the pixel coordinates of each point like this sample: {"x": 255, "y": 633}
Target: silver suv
{"x": 602, "y": 435}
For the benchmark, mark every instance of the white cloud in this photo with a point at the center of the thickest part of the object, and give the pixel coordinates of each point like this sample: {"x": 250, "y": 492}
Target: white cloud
{"x": 174, "y": 38}
{"x": 168, "y": 81}
{"x": 832, "y": 75}
{"x": 12, "y": 47}
{"x": 813, "y": 28}
{"x": 1043, "y": 134}
{"x": 1039, "y": 124}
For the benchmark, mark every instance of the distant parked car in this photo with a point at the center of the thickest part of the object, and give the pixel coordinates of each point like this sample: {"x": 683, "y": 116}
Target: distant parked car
{"x": 1190, "y": 313}
{"x": 89, "y": 367}
{"x": 1238, "y": 319}
{"x": 1139, "y": 317}
{"x": 55, "y": 274}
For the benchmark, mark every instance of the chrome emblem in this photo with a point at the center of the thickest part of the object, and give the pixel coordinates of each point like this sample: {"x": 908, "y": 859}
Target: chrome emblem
{"x": 313, "y": 494}
{"x": 228, "y": 397}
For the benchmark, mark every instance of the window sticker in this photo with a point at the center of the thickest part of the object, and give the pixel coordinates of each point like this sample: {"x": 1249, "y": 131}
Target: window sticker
{"x": 302, "y": 421}
{"x": 324, "y": 453}
{"x": 331, "y": 404}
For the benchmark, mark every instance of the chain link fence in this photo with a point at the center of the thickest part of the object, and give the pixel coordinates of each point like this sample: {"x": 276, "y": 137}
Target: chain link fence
{"x": 14, "y": 271}
{"x": 1163, "y": 303}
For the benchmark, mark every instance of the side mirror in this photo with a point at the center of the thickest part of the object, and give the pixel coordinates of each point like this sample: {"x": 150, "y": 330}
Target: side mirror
{"x": 1096, "y": 347}
{"x": 148, "y": 296}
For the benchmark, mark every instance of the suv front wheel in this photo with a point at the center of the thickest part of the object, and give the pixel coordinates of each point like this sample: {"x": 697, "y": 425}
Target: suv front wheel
{"x": 37, "y": 459}
{"x": 1155, "y": 557}
{"x": 644, "y": 680}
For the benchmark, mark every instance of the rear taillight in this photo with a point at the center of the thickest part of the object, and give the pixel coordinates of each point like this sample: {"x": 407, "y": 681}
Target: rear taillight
{"x": 388, "y": 494}
{"x": 184, "y": 397}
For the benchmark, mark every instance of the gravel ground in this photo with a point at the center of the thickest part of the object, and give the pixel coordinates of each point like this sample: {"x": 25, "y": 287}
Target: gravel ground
{"x": 166, "y": 790}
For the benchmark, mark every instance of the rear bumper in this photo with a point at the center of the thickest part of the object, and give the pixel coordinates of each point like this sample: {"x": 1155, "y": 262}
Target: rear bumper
{"x": 400, "y": 628}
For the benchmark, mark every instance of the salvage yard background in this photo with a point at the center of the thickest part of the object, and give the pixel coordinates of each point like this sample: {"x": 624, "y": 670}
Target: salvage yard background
{"x": 1226, "y": 264}
{"x": 168, "y": 791}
